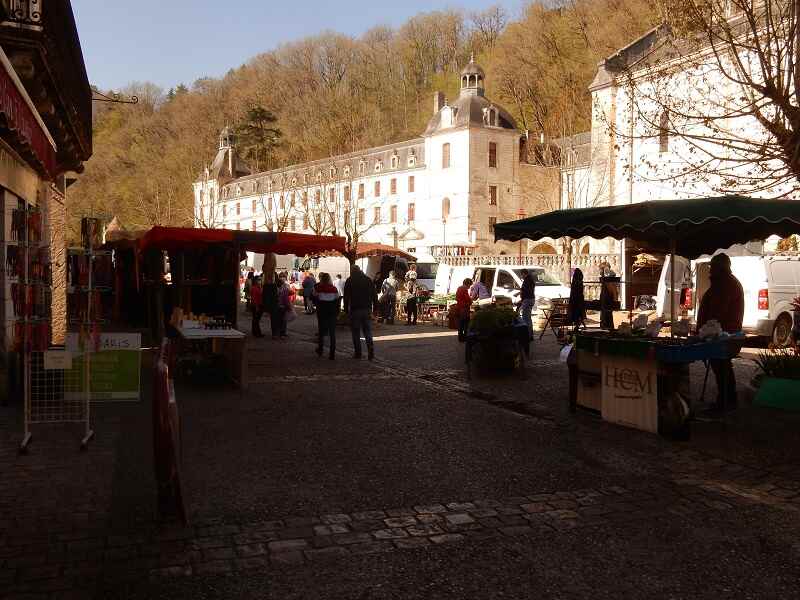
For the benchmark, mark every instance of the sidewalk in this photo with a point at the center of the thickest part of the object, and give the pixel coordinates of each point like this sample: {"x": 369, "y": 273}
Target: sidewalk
{"x": 399, "y": 479}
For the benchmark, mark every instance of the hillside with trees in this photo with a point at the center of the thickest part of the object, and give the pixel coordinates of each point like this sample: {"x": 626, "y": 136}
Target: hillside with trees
{"x": 332, "y": 93}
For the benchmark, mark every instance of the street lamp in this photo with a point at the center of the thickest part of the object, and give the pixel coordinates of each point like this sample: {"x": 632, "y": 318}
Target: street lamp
{"x": 444, "y": 235}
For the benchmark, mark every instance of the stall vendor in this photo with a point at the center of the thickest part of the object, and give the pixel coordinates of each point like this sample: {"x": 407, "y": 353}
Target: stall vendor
{"x": 723, "y": 302}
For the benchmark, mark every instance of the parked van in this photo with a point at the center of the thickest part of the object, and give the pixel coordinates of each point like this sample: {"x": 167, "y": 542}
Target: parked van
{"x": 507, "y": 281}
{"x": 770, "y": 284}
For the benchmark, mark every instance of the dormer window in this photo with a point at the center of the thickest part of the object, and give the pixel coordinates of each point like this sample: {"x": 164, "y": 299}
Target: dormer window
{"x": 346, "y": 171}
{"x": 395, "y": 160}
{"x": 332, "y": 172}
{"x": 319, "y": 176}
{"x": 412, "y": 159}
{"x": 448, "y": 116}
{"x": 305, "y": 178}
{"x": 378, "y": 166}
{"x": 362, "y": 168}
{"x": 238, "y": 190}
{"x": 490, "y": 116}
{"x": 294, "y": 181}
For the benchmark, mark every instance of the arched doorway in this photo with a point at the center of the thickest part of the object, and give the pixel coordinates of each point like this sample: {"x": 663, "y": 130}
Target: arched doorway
{"x": 543, "y": 248}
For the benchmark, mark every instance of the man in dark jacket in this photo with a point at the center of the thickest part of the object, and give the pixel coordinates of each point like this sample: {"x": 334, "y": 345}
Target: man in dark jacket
{"x": 527, "y": 299}
{"x": 359, "y": 300}
{"x": 723, "y": 302}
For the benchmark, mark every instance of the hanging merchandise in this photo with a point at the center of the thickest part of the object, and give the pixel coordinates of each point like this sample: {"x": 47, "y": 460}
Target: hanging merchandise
{"x": 13, "y": 264}
{"x": 19, "y": 225}
{"x": 34, "y": 223}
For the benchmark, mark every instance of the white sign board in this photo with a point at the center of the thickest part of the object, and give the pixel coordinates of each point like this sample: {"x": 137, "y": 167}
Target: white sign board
{"x": 57, "y": 360}
{"x": 630, "y": 392}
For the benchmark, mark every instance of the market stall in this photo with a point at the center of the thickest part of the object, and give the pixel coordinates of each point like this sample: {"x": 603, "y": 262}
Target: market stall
{"x": 638, "y": 376}
{"x": 184, "y": 283}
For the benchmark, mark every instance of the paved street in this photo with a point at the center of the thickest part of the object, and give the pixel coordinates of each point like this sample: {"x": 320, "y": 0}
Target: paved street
{"x": 401, "y": 479}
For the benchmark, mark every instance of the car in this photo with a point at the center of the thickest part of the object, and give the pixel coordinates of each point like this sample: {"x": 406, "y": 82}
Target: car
{"x": 505, "y": 282}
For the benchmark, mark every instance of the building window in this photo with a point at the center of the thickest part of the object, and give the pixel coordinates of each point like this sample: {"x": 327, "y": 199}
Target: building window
{"x": 360, "y": 191}
{"x": 362, "y": 167}
{"x": 305, "y": 199}
{"x": 254, "y": 205}
{"x": 393, "y": 214}
{"x": 347, "y": 193}
{"x": 377, "y": 189}
{"x": 393, "y": 186}
{"x": 238, "y": 209}
{"x": 412, "y": 160}
{"x": 395, "y": 161}
{"x": 346, "y": 171}
{"x": 663, "y": 132}
{"x": 376, "y": 218}
{"x": 378, "y": 166}
{"x": 445, "y": 156}
{"x": 211, "y": 194}
{"x": 331, "y": 194}
{"x": 238, "y": 226}
{"x": 492, "y": 223}
{"x": 410, "y": 184}
{"x": 362, "y": 216}
{"x": 318, "y": 196}
{"x": 291, "y": 200}
{"x": 283, "y": 203}
{"x": 292, "y": 224}
{"x": 492, "y": 154}
{"x": 411, "y": 212}
{"x": 305, "y": 221}
{"x": 254, "y": 225}
{"x": 492, "y": 195}
{"x": 224, "y": 210}
{"x": 445, "y": 209}
{"x": 332, "y": 172}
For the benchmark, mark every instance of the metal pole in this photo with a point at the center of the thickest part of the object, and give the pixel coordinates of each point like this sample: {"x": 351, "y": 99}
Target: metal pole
{"x": 672, "y": 286}
{"x": 25, "y": 320}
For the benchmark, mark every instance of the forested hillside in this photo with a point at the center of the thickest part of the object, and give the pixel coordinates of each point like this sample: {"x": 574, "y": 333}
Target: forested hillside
{"x": 331, "y": 93}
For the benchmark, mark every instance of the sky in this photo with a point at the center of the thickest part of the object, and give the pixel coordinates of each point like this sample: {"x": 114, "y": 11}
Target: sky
{"x": 169, "y": 42}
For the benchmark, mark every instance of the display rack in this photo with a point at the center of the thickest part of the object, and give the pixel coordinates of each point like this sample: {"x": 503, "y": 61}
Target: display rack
{"x": 89, "y": 275}
{"x": 28, "y": 266}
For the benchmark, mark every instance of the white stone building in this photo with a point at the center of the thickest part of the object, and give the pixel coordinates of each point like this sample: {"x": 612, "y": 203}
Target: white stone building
{"x": 445, "y": 189}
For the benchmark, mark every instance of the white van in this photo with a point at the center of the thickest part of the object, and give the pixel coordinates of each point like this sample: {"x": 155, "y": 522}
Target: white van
{"x": 770, "y": 284}
{"x": 507, "y": 281}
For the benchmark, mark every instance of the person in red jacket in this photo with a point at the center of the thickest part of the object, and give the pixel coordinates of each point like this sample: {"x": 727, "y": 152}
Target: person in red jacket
{"x": 256, "y": 306}
{"x": 463, "y": 305}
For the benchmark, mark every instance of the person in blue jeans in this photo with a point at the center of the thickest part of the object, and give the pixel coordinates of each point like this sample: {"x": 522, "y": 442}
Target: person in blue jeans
{"x": 359, "y": 300}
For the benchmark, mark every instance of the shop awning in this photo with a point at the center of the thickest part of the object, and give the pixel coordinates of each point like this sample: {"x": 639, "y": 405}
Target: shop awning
{"x": 695, "y": 226}
{"x": 176, "y": 238}
{"x": 366, "y": 249}
{"x": 300, "y": 244}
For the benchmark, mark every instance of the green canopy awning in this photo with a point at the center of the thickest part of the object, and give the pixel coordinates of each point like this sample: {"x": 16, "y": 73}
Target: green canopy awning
{"x": 698, "y": 226}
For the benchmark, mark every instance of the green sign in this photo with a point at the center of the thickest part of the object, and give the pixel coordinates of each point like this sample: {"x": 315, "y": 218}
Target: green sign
{"x": 114, "y": 371}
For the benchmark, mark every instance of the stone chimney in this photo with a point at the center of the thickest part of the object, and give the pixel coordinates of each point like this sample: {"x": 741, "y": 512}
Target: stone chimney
{"x": 438, "y": 102}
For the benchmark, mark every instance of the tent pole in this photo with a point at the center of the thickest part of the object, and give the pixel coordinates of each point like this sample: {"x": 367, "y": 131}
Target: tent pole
{"x": 672, "y": 286}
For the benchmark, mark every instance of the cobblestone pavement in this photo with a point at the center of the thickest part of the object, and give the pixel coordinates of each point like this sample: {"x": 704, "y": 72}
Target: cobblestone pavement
{"x": 400, "y": 479}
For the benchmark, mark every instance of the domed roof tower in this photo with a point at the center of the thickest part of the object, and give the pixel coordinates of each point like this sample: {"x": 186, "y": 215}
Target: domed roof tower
{"x": 471, "y": 108}
{"x": 472, "y": 78}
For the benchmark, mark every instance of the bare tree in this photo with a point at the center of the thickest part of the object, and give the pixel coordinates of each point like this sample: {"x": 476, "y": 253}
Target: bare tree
{"x": 718, "y": 89}
{"x": 488, "y": 25}
{"x": 349, "y": 218}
